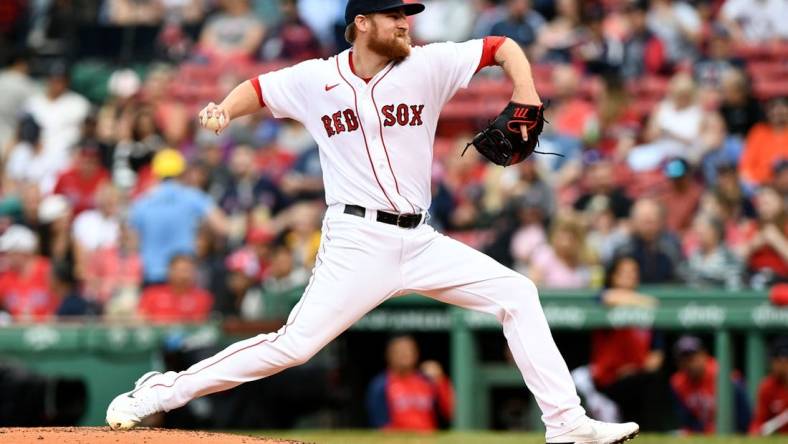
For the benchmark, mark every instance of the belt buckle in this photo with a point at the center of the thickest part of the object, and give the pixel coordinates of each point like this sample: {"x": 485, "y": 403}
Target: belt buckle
{"x": 399, "y": 220}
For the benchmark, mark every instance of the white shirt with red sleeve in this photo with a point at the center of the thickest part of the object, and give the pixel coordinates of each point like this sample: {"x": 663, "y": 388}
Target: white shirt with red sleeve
{"x": 375, "y": 135}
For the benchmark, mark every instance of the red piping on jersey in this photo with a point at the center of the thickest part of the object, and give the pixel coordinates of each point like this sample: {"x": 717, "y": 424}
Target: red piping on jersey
{"x": 364, "y": 135}
{"x": 353, "y": 68}
{"x": 383, "y": 140}
{"x": 283, "y": 330}
{"x": 491, "y": 46}
{"x": 259, "y": 90}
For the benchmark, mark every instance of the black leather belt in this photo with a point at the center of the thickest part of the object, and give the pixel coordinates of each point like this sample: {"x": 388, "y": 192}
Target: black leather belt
{"x": 400, "y": 220}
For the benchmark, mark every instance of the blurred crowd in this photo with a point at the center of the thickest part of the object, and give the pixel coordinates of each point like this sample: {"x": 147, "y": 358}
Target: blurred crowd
{"x": 119, "y": 205}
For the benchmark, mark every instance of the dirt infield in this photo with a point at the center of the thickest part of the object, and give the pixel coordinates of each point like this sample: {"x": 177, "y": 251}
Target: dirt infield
{"x": 103, "y": 435}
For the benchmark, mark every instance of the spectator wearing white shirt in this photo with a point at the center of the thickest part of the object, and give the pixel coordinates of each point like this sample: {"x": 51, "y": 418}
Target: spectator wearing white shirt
{"x": 27, "y": 161}
{"x": 60, "y": 112}
{"x": 756, "y": 21}
{"x": 432, "y": 27}
{"x": 97, "y": 228}
{"x": 17, "y": 86}
{"x": 678, "y": 26}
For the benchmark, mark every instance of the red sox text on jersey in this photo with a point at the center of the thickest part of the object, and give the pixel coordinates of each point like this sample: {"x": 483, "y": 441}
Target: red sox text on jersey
{"x": 402, "y": 115}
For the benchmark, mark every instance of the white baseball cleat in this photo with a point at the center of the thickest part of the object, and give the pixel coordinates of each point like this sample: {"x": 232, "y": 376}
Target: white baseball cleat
{"x": 128, "y": 409}
{"x": 598, "y": 432}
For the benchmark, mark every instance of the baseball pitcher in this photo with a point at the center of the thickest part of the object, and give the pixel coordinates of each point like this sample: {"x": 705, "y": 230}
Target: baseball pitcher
{"x": 373, "y": 110}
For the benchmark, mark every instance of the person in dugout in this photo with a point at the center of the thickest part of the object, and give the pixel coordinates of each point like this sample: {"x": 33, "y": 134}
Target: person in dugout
{"x": 694, "y": 387}
{"x": 771, "y": 410}
{"x": 406, "y": 397}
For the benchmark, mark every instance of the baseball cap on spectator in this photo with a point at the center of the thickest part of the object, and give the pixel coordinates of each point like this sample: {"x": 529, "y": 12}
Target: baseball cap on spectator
{"x": 687, "y": 345}
{"x": 58, "y": 68}
{"x": 52, "y": 208}
{"x": 124, "y": 83}
{"x": 18, "y": 239}
{"x": 676, "y": 168}
{"x": 362, "y": 7}
{"x": 259, "y": 236}
{"x": 243, "y": 261}
{"x": 168, "y": 163}
{"x": 779, "y": 347}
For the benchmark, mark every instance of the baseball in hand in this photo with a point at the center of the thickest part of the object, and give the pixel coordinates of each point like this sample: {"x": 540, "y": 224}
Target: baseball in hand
{"x": 213, "y": 123}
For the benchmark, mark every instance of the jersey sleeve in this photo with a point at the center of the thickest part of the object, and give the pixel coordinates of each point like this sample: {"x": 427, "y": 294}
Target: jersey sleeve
{"x": 283, "y": 91}
{"x": 452, "y": 65}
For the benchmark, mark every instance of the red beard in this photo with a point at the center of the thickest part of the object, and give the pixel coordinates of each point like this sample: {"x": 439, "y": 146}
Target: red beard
{"x": 395, "y": 48}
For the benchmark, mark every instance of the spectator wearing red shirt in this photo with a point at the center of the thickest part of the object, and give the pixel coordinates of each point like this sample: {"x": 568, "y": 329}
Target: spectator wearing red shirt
{"x": 178, "y": 300}
{"x": 406, "y": 398}
{"x": 694, "y": 386}
{"x": 623, "y": 381}
{"x": 80, "y": 182}
{"x": 771, "y": 410}
{"x": 24, "y": 277}
{"x": 766, "y": 251}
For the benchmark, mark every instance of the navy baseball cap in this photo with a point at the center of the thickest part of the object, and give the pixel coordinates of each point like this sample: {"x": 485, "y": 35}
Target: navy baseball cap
{"x": 361, "y": 7}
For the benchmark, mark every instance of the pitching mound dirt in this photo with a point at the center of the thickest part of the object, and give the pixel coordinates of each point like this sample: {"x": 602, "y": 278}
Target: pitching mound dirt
{"x": 103, "y": 435}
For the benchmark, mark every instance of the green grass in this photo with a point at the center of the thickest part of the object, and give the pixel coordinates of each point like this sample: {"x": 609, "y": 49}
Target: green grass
{"x": 367, "y": 437}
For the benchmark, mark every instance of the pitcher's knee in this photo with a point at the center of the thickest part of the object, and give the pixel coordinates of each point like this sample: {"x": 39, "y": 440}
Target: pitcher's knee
{"x": 518, "y": 295}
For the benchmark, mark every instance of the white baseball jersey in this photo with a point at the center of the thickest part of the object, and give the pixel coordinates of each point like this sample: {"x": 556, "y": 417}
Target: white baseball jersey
{"x": 375, "y": 137}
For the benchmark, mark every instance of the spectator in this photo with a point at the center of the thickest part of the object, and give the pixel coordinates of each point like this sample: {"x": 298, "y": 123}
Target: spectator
{"x": 679, "y": 27}
{"x": 618, "y": 124}
{"x": 429, "y": 28}
{"x": 767, "y": 250}
{"x": 740, "y": 111}
{"x": 17, "y": 86}
{"x": 656, "y": 250}
{"x": 140, "y": 140}
{"x": 565, "y": 262}
{"x": 521, "y": 24}
{"x": 248, "y": 190}
{"x": 25, "y": 279}
{"x": 682, "y": 195}
{"x": 178, "y": 300}
{"x": 488, "y": 13}
{"x": 719, "y": 58}
{"x": 80, "y": 182}
{"x": 569, "y": 113}
{"x": 772, "y": 403}
{"x": 694, "y": 386}
{"x": 97, "y": 229}
{"x": 60, "y": 112}
{"x": 643, "y": 52}
{"x": 27, "y": 161}
{"x": 623, "y": 379}
{"x": 755, "y": 21}
{"x": 291, "y": 39}
{"x": 235, "y": 33}
{"x": 780, "y": 178}
{"x": 304, "y": 181}
{"x": 54, "y": 231}
{"x": 713, "y": 263}
{"x": 135, "y": 12}
{"x": 244, "y": 298}
{"x": 605, "y": 233}
{"x": 766, "y": 144}
{"x": 679, "y": 126}
{"x": 600, "y": 183}
{"x": 113, "y": 275}
{"x": 167, "y": 218}
{"x": 406, "y": 398}
{"x": 559, "y": 36}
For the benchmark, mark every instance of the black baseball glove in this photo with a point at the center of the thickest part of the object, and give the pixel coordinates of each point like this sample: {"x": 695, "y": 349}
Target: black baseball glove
{"x": 502, "y": 142}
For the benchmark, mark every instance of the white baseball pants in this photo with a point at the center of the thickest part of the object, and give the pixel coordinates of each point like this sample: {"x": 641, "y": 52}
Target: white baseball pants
{"x": 360, "y": 264}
